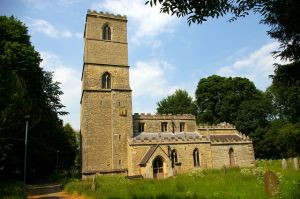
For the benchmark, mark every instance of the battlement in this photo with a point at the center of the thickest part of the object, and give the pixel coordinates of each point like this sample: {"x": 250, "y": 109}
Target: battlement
{"x": 223, "y": 125}
{"x": 106, "y": 14}
{"x": 168, "y": 138}
{"x": 230, "y": 138}
{"x": 149, "y": 116}
{"x": 188, "y": 138}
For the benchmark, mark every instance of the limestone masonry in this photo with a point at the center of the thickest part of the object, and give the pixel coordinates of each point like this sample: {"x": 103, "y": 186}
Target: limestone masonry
{"x": 114, "y": 140}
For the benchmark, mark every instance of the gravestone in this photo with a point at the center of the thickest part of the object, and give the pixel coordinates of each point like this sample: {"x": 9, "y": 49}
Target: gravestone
{"x": 271, "y": 183}
{"x": 284, "y": 164}
{"x": 296, "y": 163}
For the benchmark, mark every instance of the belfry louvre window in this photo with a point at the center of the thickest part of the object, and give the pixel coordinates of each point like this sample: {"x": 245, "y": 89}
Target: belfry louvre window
{"x": 164, "y": 126}
{"x": 106, "y": 81}
{"x": 181, "y": 127}
{"x": 106, "y": 32}
{"x": 141, "y": 127}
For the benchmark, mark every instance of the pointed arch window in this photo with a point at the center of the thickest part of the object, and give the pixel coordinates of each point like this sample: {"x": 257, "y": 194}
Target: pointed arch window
{"x": 231, "y": 157}
{"x": 196, "y": 158}
{"x": 174, "y": 158}
{"x": 106, "y": 32}
{"x": 106, "y": 81}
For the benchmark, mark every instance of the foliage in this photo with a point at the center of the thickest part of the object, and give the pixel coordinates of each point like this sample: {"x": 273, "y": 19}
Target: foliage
{"x": 26, "y": 89}
{"x": 234, "y": 100}
{"x": 11, "y": 189}
{"x": 70, "y": 150}
{"x": 285, "y": 91}
{"x": 280, "y": 139}
{"x": 178, "y": 103}
{"x": 235, "y": 183}
{"x": 283, "y": 18}
{"x": 281, "y": 15}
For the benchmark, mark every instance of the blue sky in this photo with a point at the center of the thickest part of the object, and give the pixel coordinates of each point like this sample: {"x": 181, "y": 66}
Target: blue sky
{"x": 165, "y": 53}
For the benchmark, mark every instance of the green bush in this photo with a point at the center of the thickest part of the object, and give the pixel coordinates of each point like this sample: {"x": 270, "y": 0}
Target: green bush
{"x": 11, "y": 189}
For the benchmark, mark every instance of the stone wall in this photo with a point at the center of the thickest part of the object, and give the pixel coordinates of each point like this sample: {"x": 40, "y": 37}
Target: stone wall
{"x": 96, "y": 20}
{"x": 92, "y": 77}
{"x": 98, "y": 51}
{"x": 153, "y": 122}
{"x": 222, "y": 128}
{"x": 184, "y": 155}
{"x": 243, "y": 154}
{"x": 96, "y": 129}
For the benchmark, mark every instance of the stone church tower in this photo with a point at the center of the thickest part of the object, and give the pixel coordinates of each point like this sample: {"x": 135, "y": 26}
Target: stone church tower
{"x": 106, "y": 109}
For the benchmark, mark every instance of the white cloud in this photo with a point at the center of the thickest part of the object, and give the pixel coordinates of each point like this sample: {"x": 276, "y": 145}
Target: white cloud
{"x": 149, "y": 20}
{"x": 43, "y": 26}
{"x": 150, "y": 78}
{"x": 153, "y": 80}
{"x": 256, "y": 66}
{"x": 70, "y": 85}
{"x": 149, "y": 82}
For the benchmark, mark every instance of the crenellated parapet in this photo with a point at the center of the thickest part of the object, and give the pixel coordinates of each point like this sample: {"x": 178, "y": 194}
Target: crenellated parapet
{"x": 169, "y": 138}
{"x": 149, "y": 116}
{"x": 106, "y": 14}
{"x": 188, "y": 138}
{"x": 223, "y": 125}
{"x": 229, "y": 138}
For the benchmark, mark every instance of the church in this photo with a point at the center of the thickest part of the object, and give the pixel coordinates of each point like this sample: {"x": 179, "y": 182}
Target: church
{"x": 115, "y": 140}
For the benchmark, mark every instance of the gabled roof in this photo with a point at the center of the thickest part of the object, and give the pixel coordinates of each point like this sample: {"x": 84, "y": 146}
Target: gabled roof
{"x": 148, "y": 155}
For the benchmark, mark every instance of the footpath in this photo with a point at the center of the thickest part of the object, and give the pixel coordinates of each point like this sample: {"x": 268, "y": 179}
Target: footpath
{"x": 48, "y": 191}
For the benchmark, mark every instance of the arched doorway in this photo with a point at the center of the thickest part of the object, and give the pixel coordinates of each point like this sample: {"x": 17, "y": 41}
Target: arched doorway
{"x": 158, "y": 171}
{"x": 231, "y": 157}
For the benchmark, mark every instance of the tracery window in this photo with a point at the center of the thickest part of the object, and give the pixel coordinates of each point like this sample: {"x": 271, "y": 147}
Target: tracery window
{"x": 106, "y": 81}
{"x": 106, "y": 32}
{"x": 196, "y": 158}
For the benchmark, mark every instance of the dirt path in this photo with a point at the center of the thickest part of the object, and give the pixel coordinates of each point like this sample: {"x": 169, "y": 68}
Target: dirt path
{"x": 49, "y": 191}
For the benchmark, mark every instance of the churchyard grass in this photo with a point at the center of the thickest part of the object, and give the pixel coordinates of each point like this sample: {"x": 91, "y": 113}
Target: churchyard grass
{"x": 11, "y": 189}
{"x": 215, "y": 184}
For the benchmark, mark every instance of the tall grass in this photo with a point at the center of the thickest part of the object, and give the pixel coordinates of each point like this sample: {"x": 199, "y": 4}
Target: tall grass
{"x": 215, "y": 184}
{"x": 11, "y": 189}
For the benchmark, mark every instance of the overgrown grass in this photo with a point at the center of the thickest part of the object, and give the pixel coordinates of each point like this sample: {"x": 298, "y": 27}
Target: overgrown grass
{"x": 215, "y": 184}
{"x": 11, "y": 189}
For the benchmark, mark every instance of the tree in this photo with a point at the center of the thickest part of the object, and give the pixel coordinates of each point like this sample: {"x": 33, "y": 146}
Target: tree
{"x": 71, "y": 147}
{"x": 234, "y": 100}
{"x": 178, "y": 103}
{"x": 283, "y": 16}
{"x": 279, "y": 139}
{"x": 285, "y": 91}
{"x": 26, "y": 89}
